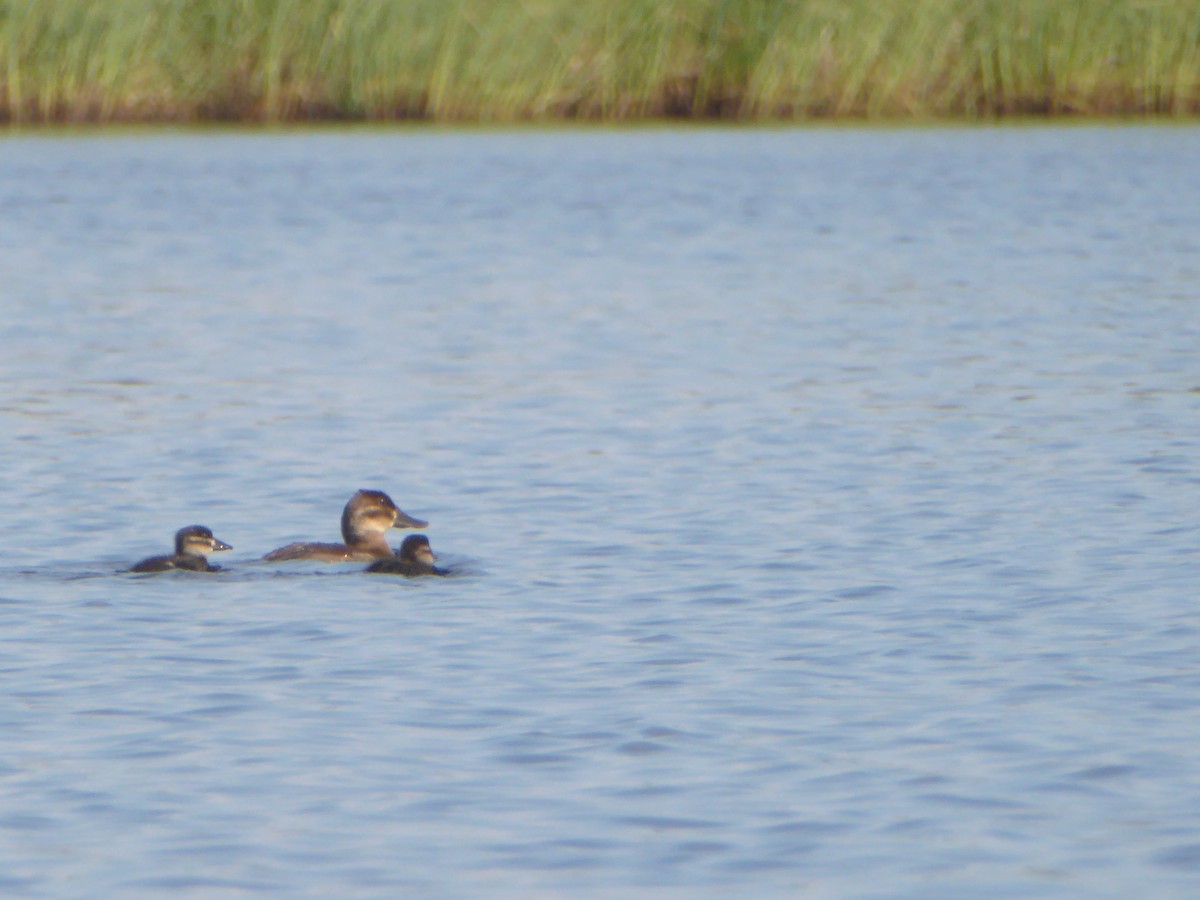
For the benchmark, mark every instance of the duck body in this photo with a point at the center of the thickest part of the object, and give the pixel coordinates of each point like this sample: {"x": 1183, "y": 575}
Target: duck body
{"x": 365, "y": 520}
{"x": 165, "y": 563}
{"x": 414, "y": 558}
{"x": 327, "y": 552}
{"x": 192, "y": 546}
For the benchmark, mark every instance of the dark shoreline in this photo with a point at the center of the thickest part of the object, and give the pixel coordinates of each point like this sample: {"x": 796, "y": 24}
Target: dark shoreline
{"x": 509, "y": 62}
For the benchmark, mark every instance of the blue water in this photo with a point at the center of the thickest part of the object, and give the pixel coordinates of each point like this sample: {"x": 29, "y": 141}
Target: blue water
{"x": 822, "y": 507}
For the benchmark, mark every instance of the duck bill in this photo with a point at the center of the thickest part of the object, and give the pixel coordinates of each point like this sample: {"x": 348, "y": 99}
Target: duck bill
{"x": 404, "y": 520}
{"x": 221, "y": 545}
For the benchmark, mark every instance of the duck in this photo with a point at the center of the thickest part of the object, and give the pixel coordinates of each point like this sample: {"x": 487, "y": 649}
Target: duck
{"x": 415, "y": 557}
{"x": 365, "y": 520}
{"x": 192, "y": 546}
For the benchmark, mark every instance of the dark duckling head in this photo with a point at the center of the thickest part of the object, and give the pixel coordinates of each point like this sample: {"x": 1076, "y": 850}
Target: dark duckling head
{"x": 196, "y": 540}
{"x": 416, "y": 549}
{"x": 415, "y": 557}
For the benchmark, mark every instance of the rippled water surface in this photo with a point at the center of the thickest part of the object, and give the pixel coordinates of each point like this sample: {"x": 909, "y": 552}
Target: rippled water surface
{"x": 821, "y": 507}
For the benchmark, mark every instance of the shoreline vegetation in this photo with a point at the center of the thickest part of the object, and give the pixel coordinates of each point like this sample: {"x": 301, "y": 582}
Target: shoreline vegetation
{"x": 502, "y": 61}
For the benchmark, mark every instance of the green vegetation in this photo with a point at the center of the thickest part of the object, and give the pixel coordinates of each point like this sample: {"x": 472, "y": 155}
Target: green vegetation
{"x": 507, "y": 60}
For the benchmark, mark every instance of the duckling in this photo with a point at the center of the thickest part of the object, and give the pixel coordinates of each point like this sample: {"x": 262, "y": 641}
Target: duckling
{"x": 367, "y": 516}
{"x": 192, "y": 546}
{"x": 415, "y": 557}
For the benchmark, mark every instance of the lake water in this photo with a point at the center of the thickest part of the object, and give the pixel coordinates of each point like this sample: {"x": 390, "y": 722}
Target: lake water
{"x": 822, "y": 507}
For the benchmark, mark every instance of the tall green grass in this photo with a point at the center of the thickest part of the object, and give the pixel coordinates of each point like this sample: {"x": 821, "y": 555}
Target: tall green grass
{"x": 506, "y": 60}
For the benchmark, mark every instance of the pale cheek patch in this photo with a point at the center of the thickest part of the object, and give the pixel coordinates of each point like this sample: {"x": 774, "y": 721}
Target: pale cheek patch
{"x": 378, "y": 520}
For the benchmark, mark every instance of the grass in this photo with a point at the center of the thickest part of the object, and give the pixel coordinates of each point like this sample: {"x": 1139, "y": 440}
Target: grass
{"x": 514, "y": 60}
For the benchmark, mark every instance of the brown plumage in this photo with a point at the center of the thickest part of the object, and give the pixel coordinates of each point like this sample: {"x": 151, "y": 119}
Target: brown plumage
{"x": 415, "y": 557}
{"x": 192, "y": 546}
{"x": 365, "y": 520}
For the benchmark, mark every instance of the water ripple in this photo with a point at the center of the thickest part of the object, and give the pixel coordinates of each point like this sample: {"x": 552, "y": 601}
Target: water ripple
{"x": 819, "y": 507}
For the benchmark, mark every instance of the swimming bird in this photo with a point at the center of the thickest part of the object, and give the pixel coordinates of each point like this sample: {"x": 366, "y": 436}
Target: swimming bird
{"x": 192, "y": 546}
{"x": 366, "y": 518}
{"x": 415, "y": 557}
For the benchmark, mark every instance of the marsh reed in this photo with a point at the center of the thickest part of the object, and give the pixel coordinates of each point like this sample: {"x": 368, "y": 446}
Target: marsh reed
{"x": 516, "y": 60}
